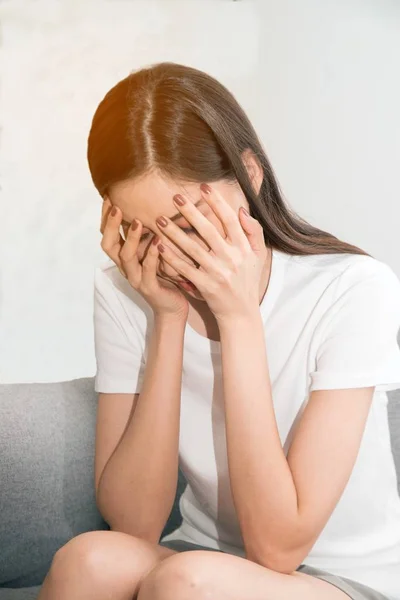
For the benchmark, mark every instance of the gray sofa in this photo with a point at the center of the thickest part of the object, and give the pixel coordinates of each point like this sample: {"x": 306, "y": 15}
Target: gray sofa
{"x": 47, "y": 434}
{"x": 46, "y": 476}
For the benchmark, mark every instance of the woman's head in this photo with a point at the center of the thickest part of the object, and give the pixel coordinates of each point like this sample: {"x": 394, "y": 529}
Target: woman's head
{"x": 167, "y": 128}
{"x": 150, "y": 196}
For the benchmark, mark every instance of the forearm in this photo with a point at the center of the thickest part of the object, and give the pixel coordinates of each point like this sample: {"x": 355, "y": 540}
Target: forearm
{"x": 138, "y": 485}
{"x": 262, "y": 485}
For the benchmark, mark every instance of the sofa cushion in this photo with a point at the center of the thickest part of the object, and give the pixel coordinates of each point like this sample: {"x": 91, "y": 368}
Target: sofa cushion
{"x": 47, "y": 445}
{"x": 47, "y": 466}
{"x": 394, "y": 425}
{"x": 25, "y": 593}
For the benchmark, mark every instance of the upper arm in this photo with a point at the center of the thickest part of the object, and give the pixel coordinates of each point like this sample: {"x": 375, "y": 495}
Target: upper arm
{"x": 322, "y": 456}
{"x": 114, "y": 412}
{"x": 356, "y": 353}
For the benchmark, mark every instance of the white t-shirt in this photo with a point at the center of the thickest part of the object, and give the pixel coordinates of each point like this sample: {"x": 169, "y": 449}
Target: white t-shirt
{"x": 331, "y": 322}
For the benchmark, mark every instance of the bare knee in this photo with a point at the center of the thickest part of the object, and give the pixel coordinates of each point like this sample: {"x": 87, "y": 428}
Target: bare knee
{"x": 106, "y": 555}
{"x": 86, "y": 551}
{"x": 185, "y": 575}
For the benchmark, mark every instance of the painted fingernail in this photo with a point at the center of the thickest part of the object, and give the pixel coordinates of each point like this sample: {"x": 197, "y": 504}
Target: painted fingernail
{"x": 113, "y": 211}
{"x": 205, "y": 188}
{"x": 180, "y": 201}
{"x": 245, "y": 211}
{"x": 161, "y": 248}
{"x": 162, "y": 221}
{"x": 134, "y": 224}
{"x": 156, "y": 239}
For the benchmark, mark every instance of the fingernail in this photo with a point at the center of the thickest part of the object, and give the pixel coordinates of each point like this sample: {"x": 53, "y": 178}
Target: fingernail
{"x": 162, "y": 221}
{"x": 156, "y": 239}
{"x": 245, "y": 211}
{"x": 134, "y": 224}
{"x": 114, "y": 211}
{"x": 205, "y": 188}
{"x": 179, "y": 200}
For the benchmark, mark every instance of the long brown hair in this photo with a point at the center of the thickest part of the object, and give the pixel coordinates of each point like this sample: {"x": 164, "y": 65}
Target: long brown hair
{"x": 183, "y": 123}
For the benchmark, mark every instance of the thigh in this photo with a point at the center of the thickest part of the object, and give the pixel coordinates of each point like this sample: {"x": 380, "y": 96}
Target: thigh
{"x": 225, "y": 576}
{"x": 352, "y": 589}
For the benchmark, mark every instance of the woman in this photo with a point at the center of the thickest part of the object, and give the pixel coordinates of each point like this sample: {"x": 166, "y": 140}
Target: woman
{"x": 252, "y": 350}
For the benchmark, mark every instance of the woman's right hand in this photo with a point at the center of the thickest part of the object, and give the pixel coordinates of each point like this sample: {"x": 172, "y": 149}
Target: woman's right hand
{"x": 165, "y": 301}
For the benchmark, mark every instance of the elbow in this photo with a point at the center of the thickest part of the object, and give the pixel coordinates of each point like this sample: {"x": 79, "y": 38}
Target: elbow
{"x": 102, "y": 505}
{"x": 117, "y": 519}
{"x": 151, "y": 536}
{"x": 280, "y": 563}
{"x": 278, "y": 559}
{"x": 286, "y": 564}
{"x": 107, "y": 512}
{"x": 279, "y": 556}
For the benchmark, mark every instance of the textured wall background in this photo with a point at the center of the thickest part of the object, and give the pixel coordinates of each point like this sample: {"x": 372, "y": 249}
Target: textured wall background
{"x": 318, "y": 79}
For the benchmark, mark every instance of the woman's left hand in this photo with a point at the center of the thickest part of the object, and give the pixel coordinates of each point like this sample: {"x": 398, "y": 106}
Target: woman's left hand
{"x": 229, "y": 274}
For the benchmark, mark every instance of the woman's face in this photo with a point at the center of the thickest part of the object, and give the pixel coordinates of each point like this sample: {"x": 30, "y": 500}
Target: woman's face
{"x": 149, "y": 197}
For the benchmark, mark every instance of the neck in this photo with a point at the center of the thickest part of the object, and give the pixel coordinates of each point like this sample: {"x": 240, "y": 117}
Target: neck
{"x": 265, "y": 275}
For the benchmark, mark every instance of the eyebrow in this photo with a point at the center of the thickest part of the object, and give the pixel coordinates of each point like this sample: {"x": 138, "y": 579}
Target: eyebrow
{"x": 174, "y": 218}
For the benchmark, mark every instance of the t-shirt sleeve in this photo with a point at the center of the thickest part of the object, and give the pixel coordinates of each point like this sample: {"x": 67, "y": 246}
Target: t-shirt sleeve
{"x": 119, "y": 349}
{"x": 358, "y": 335}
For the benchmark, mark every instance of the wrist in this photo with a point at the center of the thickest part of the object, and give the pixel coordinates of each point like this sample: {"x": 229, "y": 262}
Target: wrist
{"x": 173, "y": 321}
{"x": 227, "y": 321}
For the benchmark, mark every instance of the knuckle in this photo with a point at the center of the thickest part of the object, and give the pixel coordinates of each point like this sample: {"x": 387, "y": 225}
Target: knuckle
{"x": 230, "y": 218}
{"x": 147, "y": 267}
{"x": 236, "y": 262}
{"x": 220, "y": 277}
{"x": 133, "y": 281}
{"x": 145, "y": 289}
{"x": 125, "y": 254}
{"x": 148, "y": 259}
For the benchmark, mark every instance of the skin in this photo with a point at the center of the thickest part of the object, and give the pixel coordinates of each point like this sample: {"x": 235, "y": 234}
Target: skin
{"x": 101, "y": 565}
{"x": 150, "y": 197}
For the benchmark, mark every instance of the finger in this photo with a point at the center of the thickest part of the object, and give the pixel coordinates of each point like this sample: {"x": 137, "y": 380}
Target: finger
{"x": 149, "y": 264}
{"x": 206, "y": 230}
{"x": 253, "y": 230}
{"x": 192, "y": 249}
{"x": 182, "y": 266}
{"x": 129, "y": 256}
{"x": 225, "y": 213}
{"x": 105, "y": 210}
{"x": 112, "y": 241}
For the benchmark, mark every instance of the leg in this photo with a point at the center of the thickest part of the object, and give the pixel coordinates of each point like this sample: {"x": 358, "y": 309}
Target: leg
{"x": 100, "y": 565}
{"x": 198, "y": 575}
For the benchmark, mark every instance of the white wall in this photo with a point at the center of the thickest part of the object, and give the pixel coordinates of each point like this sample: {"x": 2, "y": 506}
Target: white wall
{"x": 318, "y": 79}
{"x": 330, "y": 117}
